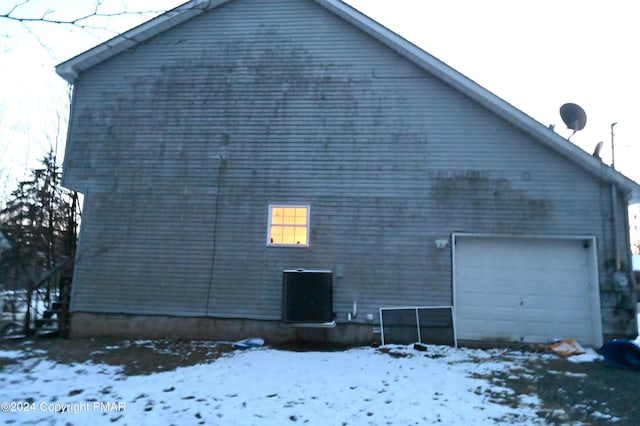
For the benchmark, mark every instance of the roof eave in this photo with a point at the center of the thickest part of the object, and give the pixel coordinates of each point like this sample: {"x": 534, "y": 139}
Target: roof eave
{"x": 71, "y": 69}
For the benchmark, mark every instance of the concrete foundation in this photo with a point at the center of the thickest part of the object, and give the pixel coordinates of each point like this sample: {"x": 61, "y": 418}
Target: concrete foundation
{"x": 85, "y": 325}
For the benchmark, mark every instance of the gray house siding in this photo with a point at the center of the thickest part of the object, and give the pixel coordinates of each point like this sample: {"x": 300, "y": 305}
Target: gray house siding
{"x": 180, "y": 144}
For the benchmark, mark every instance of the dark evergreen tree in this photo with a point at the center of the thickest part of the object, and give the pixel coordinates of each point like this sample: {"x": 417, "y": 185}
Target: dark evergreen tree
{"x": 40, "y": 220}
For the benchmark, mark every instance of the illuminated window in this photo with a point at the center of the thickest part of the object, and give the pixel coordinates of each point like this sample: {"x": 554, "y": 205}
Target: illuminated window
{"x": 288, "y": 226}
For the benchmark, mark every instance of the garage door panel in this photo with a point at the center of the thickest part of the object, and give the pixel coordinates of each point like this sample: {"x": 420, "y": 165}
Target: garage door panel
{"x": 526, "y": 289}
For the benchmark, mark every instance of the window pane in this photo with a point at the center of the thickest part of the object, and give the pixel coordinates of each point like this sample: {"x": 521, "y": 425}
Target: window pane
{"x": 275, "y": 236}
{"x": 288, "y": 235}
{"x": 301, "y": 235}
{"x": 276, "y": 215}
{"x": 289, "y": 217}
{"x": 276, "y": 231}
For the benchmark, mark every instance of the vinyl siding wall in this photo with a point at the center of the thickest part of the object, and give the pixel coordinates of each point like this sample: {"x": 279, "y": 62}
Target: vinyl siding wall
{"x": 181, "y": 143}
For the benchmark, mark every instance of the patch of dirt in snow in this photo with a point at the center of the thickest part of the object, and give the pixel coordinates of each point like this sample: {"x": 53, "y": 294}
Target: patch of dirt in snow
{"x": 136, "y": 357}
{"x": 588, "y": 393}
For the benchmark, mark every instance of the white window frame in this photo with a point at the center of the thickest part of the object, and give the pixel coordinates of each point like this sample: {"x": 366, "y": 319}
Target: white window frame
{"x": 286, "y": 205}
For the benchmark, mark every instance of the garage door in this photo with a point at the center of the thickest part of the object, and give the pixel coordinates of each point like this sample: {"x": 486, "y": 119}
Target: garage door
{"x": 530, "y": 290}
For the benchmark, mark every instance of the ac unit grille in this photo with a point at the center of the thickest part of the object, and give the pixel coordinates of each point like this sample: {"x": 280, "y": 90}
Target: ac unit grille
{"x": 307, "y": 296}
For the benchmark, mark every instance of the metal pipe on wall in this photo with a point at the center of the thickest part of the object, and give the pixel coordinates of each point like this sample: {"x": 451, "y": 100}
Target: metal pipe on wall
{"x": 614, "y": 213}
{"x": 614, "y": 207}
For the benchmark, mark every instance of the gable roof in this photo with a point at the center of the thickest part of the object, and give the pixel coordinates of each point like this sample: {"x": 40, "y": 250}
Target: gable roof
{"x": 70, "y": 70}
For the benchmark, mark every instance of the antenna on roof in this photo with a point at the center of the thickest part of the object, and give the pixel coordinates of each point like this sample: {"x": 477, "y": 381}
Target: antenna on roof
{"x": 574, "y": 117}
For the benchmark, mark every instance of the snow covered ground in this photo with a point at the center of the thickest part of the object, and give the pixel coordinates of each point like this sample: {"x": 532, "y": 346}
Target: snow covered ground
{"x": 391, "y": 385}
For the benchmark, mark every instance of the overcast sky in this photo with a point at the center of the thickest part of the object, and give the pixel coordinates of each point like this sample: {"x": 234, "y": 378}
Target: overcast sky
{"x": 535, "y": 54}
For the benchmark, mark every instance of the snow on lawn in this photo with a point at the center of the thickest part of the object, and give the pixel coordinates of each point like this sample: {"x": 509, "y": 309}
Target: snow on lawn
{"x": 392, "y": 385}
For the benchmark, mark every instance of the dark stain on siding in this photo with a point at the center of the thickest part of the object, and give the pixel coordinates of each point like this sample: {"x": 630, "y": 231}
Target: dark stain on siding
{"x": 494, "y": 201}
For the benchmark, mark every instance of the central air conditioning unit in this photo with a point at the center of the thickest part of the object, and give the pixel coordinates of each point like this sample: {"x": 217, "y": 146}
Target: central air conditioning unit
{"x": 307, "y": 296}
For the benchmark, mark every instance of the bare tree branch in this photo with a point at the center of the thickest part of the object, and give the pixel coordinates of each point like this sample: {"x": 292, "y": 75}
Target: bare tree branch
{"x": 97, "y": 22}
{"x": 38, "y": 39}
{"x": 81, "y": 21}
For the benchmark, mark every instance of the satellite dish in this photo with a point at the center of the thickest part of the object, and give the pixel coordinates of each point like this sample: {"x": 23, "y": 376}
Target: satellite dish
{"x": 573, "y": 116}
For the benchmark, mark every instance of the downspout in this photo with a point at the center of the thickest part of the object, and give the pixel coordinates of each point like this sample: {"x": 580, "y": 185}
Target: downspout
{"x": 629, "y": 254}
{"x": 614, "y": 207}
{"x": 623, "y": 281}
{"x": 614, "y": 212}
{"x": 620, "y": 279}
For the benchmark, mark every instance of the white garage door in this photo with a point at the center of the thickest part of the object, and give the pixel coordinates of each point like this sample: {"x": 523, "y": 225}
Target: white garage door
{"x": 526, "y": 289}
